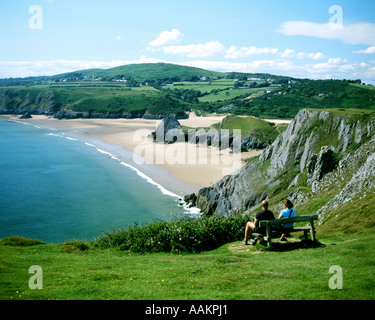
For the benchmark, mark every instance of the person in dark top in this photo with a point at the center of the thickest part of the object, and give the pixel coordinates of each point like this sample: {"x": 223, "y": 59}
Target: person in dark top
{"x": 251, "y": 227}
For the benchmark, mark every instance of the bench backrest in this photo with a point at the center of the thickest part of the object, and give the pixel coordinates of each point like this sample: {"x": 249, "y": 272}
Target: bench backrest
{"x": 276, "y": 222}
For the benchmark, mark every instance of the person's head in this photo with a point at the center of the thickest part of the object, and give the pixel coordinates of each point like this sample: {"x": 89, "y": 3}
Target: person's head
{"x": 287, "y": 203}
{"x": 265, "y": 204}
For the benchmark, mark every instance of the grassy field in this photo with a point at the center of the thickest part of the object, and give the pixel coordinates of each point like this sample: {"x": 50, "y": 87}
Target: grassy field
{"x": 218, "y": 90}
{"x": 260, "y": 129}
{"x": 229, "y": 94}
{"x": 233, "y": 271}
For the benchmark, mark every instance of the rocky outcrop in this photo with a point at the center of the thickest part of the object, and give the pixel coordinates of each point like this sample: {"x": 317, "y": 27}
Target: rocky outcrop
{"x": 168, "y": 131}
{"x": 191, "y": 200}
{"x": 320, "y": 153}
{"x": 321, "y": 164}
{"x": 27, "y": 115}
{"x": 250, "y": 142}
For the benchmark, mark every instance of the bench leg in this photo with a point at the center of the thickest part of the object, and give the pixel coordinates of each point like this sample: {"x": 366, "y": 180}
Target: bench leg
{"x": 269, "y": 235}
{"x": 305, "y": 234}
{"x": 312, "y": 231}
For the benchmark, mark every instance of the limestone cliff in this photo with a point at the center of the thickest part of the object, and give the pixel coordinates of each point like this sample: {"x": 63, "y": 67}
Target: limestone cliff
{"x": 325, "y": 154}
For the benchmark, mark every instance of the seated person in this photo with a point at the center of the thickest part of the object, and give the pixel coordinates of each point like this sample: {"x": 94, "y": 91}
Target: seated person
{"x": 251, "y": 227}
{"x": 287, "y": 212}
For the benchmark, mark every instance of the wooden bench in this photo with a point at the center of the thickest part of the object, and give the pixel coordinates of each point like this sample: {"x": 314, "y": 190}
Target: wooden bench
{"x": 271, "y": 224}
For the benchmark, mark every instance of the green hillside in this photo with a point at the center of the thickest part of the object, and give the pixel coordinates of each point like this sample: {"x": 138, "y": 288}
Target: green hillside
{"x": 162, "y": 88}
{"x": 86, "y": 101}
{"x": 260, "y": 129}
{"x": 284, "y": 101}
{"x": 143, "y": 72}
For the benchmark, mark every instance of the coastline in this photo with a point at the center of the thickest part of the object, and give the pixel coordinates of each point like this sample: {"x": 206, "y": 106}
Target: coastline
{"x": 181, "y": 168}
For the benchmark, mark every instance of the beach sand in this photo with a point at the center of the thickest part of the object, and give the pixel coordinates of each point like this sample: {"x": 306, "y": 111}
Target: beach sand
{"x": 181, "y": 167}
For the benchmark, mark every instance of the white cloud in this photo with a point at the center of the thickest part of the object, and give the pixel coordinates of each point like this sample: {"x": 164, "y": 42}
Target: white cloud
{"x": 290, "y": 53}
{"x": 315, "y": 56}
{"x": 358, "y": 33}
{"x": 166, "y": 37}
{"x": 234, "y": 53}
{"x": 370, "y": 50}
{"x": 196, "y": 50}
{"x": 332, "y": 68}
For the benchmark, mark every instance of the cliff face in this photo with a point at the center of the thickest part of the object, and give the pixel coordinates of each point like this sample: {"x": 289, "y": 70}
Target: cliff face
{"x": 322, "y": 154}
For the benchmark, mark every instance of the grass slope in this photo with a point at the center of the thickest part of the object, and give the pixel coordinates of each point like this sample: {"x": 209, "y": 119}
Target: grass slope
{"x": 260, "y": 129}
{"x": 233, "y": 271}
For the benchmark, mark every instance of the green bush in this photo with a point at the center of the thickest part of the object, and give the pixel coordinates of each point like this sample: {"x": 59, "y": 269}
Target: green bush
{"x": 179, "y": 236}
{"x": 18, "y": 241}
{"x": 75, "y": 246}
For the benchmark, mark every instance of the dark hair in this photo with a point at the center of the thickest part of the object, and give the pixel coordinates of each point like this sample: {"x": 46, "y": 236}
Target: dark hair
{"x": 265, "y": 204}
{"x": 288, "y": 203}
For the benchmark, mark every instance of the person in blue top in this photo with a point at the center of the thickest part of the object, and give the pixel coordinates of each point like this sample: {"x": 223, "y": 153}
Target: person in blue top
{"x": 287, "y": 212}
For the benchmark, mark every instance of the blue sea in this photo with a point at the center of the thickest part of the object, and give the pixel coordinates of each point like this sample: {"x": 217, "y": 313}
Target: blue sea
{"x": 57, "y": 188}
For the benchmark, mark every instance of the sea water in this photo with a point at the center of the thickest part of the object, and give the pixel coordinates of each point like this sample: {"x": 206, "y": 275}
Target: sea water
{"x": 57, "y": 188}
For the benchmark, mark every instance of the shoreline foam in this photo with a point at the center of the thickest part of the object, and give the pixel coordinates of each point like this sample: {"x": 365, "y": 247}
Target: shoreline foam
{"x": 116, "y": 136}
{"x": 109, "y": 151}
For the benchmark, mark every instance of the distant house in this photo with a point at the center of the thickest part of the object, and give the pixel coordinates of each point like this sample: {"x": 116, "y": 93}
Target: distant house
{"x": 203, "y": 78}
{"x": 228, "y": 107}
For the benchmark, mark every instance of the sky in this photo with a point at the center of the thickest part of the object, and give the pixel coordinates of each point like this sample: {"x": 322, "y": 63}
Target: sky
{"x": 316, "y": 39}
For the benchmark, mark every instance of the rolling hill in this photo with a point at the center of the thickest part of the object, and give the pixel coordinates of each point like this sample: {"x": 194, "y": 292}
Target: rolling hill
{"x": 160, "y": 89}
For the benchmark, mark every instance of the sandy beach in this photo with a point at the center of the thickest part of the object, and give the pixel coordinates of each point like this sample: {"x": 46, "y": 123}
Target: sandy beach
{"x": 181, "y": 167}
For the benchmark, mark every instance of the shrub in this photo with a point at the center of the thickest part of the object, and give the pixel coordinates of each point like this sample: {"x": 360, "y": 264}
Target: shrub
{"x": 178, "y": 236}
{"x": 19, "y": 241}
{"x": 75, "y": 246}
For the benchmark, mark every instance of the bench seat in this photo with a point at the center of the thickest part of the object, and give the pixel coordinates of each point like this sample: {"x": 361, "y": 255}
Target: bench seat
{"x": 272, "y": 226}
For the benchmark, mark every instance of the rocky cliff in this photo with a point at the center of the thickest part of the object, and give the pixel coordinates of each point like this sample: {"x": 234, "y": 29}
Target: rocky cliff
{"x": 325, "y": 156}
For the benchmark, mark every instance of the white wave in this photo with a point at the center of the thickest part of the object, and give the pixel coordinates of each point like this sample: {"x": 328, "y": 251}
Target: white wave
{"x": 107, "y": 153}
{"x": 69, "y": 138}
{"x": 192, "y": 211}
{"x": 90, "y": 145}
{"x": 140, "y": 173}
{"x": 54, "y": 134}
{"x": 18, "y": 121}
{"x": 149, "y": 180}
